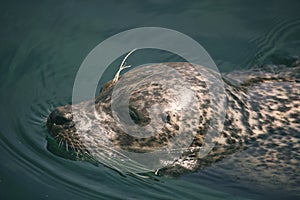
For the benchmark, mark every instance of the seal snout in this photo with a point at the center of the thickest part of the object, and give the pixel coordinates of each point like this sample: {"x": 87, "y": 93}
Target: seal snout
{"x": 61, "y": 116}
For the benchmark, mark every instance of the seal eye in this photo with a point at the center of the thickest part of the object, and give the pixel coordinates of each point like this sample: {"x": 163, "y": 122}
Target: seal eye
{"x": 139, "y": 117}
{"x": 134, "y": 116}
{"x": 168, "y": 119}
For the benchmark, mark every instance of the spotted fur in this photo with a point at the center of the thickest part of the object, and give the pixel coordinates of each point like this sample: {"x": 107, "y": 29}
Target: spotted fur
{"x": 262, "y": 119}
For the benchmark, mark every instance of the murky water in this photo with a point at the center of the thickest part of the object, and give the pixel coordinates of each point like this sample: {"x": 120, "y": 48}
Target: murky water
{"x": 43, "y": 44}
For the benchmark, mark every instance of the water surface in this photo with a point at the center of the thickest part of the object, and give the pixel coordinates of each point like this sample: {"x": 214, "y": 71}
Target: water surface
{"x": 43, "y": 44}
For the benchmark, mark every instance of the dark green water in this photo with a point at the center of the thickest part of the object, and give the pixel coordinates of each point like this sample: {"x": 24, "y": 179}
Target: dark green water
{"x": 43, "y": 44}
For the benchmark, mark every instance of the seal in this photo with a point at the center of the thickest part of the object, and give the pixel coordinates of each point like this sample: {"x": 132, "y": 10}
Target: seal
{"x": 262, "y": 114}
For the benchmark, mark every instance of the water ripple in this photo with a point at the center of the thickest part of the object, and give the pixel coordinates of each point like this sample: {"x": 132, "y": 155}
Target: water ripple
{"x": 274, "y": 40}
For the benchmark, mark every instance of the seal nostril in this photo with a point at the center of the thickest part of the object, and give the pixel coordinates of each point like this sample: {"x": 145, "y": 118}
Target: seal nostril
{"x": 60, "y": 120}
{"x": 60, "y": 116}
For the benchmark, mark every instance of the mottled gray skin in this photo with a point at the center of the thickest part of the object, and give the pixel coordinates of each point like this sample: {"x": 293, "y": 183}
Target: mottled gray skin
{"x": 262, "y": 119}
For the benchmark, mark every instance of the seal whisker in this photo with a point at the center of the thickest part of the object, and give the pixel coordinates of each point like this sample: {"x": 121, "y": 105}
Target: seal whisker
{"x": 67, "y": 148}
{"x": 60, "y": 143}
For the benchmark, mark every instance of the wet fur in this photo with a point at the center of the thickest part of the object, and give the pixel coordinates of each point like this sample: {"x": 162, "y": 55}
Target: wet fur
{"x": 261, "y": 131}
